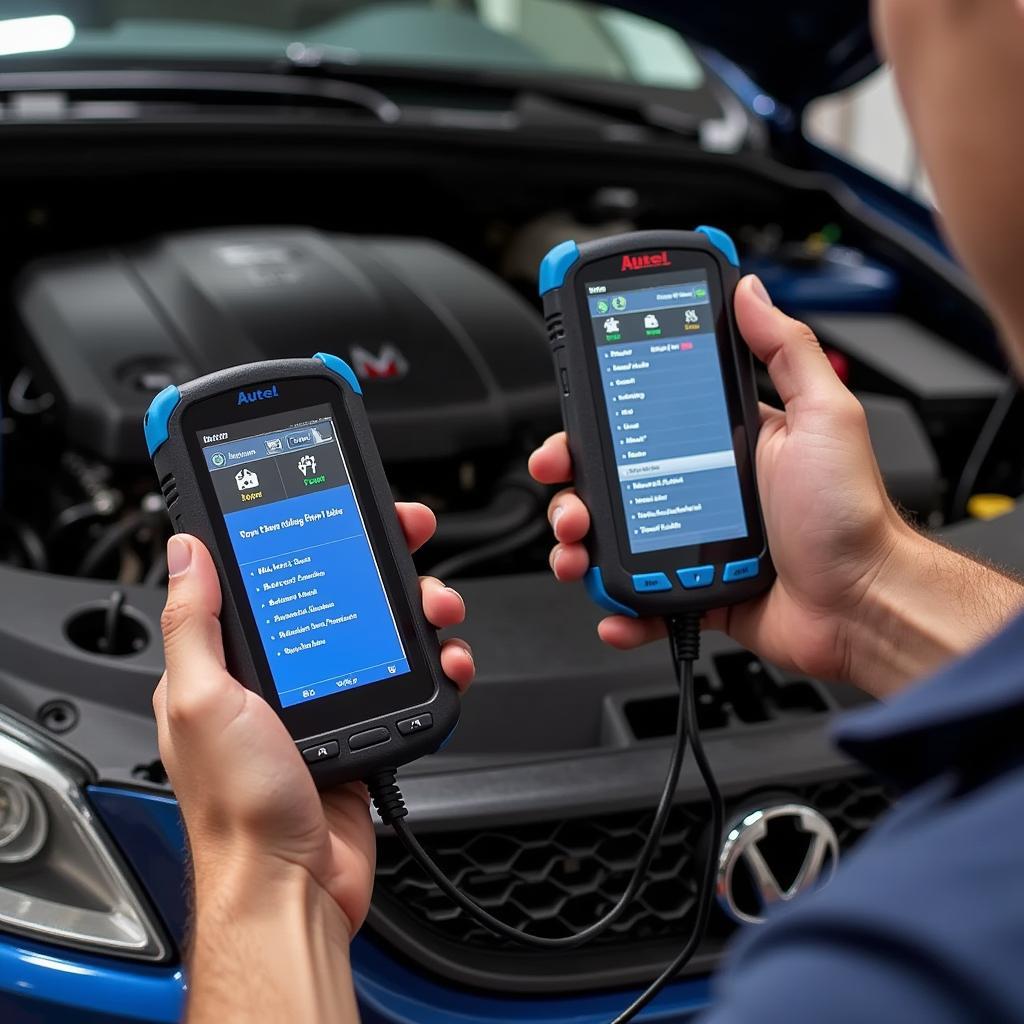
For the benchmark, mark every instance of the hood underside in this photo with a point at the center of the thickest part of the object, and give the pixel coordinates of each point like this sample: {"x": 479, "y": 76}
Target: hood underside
{"x": 795, "y": 50}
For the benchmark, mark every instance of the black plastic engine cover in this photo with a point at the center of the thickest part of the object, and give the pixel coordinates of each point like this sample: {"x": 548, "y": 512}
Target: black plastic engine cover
{"x": 451, "y": 358}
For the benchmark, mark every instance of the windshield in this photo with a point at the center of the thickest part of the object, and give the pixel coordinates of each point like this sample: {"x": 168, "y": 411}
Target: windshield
{"x": 552, "y": 36}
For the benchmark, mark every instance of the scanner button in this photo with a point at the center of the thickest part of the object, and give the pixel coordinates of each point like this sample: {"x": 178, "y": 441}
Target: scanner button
{"x": 370, "y": 738}
{"x": 563, "y": 376}
{"x": 745, "y": 570}
{"x": 322, "y": 751}
{"x": 651, "y": 582}
{"x": 417, "y": 724}
{"x": 697, "y": 577}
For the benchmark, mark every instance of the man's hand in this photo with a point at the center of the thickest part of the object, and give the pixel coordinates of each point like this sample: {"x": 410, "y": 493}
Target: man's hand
{"x": 275, "y": 862}
{"x": 860, "y": 596}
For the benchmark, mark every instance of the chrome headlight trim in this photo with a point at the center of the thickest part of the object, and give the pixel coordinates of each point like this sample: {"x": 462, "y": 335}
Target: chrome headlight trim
{"x": 114, "y": 917}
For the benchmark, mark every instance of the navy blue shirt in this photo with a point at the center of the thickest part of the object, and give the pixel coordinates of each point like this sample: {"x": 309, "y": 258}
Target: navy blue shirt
{"x": 924, "y": 921}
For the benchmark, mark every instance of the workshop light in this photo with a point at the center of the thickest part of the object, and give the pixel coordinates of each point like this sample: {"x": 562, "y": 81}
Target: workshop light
{"x": 32, "y": 35}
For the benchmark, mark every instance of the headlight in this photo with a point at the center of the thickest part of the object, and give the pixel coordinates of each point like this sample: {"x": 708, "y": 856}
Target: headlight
{"x": 60, "y": 878}
{"x": 22, "y": 819}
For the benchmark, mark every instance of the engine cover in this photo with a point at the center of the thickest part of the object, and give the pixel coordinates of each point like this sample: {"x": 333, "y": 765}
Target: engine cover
{"x": 451, "y": 358}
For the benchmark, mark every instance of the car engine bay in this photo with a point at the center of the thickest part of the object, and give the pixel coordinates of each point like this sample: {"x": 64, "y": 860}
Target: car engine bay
{"x": 154, "y": 257}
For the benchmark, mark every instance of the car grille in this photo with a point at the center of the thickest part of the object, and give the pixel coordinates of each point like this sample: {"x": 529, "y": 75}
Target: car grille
{"x": 556, "y": 877}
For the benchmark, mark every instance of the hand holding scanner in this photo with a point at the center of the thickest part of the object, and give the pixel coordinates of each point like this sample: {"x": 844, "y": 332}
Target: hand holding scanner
{"x": 274, "y": 468}
{"x": 660, "y": 407}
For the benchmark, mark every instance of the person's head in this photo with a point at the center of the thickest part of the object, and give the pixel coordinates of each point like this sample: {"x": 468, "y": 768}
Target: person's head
{"x": 959, "y": 67}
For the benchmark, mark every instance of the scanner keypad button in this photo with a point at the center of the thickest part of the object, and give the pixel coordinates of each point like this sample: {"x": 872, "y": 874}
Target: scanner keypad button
{"x": 416, "y": 724}
{"x": 321, "y": 751}
{"x": 651, "y": 583}
{"x": 369, "y": 738}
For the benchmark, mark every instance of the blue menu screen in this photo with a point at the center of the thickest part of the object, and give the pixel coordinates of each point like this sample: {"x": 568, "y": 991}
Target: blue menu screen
{"x": 298, "y": 536}
{"x": 669, "y": 423}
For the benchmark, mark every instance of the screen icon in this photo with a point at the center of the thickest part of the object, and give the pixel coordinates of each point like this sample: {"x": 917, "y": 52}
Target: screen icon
{"x": 619, "y": 303}
{"x": 690, "y": 316}
{"x": 611, "y": 325}
{"x": 651, "y": 322}
{"x": 307, "y": 466}
{"x": 217, "y": 459}
{"x": 274, "y": 445}
{"x": 246, "y": 479}
{"x": 602, "y": 306}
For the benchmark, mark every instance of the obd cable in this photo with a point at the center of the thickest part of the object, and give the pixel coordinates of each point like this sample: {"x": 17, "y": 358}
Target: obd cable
{"x": 684, "y": 637}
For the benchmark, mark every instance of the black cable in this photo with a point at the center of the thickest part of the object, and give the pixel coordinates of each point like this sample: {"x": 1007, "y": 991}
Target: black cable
{"x": 75, "y": 514}
{"x": 459, "y": 563}
{"x": 516, "y": 502}
{"x": 387, "y": 799}
{"x": 114, "y": 536}
{"x": 680, "y": 633}
{"x": 684, "y": 634}
{"x": 112, "y": 622}
{"x": 18, "y": 395}
{"x": 983, "y": 446}
{"x": 156, "y": 574}
{"x": 27, "y": 540}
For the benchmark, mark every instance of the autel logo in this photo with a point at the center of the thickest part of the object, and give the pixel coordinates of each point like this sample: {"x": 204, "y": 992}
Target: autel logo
{"x": 647, "y": 259}
{"x": 245, "y": 397}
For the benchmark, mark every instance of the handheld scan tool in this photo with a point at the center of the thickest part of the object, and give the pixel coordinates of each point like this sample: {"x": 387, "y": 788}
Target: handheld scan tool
{"x": 274, "y": 468}
{"x": 660, "y": 407}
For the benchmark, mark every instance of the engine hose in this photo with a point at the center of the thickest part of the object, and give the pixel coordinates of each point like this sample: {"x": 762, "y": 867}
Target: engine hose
{"x": 516, "y": 502}
{"x": 27, "y": 541}
{"x": 464, "y": 560}
{"x": 113, "y": 538}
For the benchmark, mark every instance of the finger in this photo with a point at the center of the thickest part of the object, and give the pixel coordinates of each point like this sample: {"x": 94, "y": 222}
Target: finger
{"x": 551, "y": 463}
{"x": 569, "y": 562}
{"x": 160, "y": 703}
{"x": 569, "y": 517}
{"x": 624, "y": 633}
{"x": 163, "y": 731}
{"x": 442, "y": 606}
{"x": 457, "y": 662}
{"x": 417, "y": 521}
{"x": 802, "y": 375}
{"x": 198, "y": 686}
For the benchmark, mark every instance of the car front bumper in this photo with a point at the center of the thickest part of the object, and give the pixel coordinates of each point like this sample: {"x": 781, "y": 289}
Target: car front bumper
{"x": 42, "y": 984}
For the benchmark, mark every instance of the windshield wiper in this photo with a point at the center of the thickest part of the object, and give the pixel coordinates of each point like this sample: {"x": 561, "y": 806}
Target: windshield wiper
{"x": 534, "y": 101}
{"x": 161, "y": 83}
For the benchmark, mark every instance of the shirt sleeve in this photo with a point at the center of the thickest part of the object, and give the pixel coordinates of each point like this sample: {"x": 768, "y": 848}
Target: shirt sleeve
{"x": 844, "y": 979}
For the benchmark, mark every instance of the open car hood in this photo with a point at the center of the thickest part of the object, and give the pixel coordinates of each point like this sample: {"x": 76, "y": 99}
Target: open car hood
{"x": 795, "y": 50}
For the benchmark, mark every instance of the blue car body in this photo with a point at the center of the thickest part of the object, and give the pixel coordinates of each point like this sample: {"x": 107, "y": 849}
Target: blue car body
{"x": 44, "y": 985}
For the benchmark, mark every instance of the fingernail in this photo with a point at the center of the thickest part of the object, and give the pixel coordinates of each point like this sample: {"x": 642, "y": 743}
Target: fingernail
{"x": 758, "y": 288}
{"x": 556, "y": 514}
{"x": 179, "y": 556}
{"x": 556, "y": 554}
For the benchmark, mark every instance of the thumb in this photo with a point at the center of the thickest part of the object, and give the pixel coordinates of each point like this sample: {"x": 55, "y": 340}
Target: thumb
{"x": 197, "y": 682}
{"x": 799, "y": 369}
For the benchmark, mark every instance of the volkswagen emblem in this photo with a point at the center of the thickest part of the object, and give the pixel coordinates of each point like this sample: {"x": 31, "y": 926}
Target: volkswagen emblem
{"x": 771, "y": 855}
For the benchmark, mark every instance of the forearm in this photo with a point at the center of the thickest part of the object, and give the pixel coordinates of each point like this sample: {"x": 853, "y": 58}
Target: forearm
{"x": 268, "y": 946}
{"x": 927, "y": 606}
